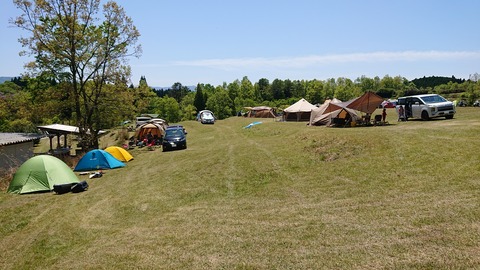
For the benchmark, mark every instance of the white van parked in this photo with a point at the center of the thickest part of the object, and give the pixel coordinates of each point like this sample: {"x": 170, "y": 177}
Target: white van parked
{"x": 426, "y": 106}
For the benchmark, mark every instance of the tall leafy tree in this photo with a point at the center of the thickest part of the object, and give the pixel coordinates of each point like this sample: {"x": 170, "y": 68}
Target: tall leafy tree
{"x": 167, "y": 108}
{"x": 278, "y": 89}
{"x": 220, "y": 103}
{"x": 288, "y": 88}
{"x": 298, "y": 89}
{"x": 315, "y": 92}
{"x": 142, "y": 97}
{"x": 233, "y": 89}
{"x": 73, "y": 42}
{"x": 246, "y": 89}
{"x": 189, "y": 111}
{"x": 264, "y": 90}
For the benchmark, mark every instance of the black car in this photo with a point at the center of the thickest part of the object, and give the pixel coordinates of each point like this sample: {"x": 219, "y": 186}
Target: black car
{"x": 176, "y": 127}
{"x": 174, "y": 138}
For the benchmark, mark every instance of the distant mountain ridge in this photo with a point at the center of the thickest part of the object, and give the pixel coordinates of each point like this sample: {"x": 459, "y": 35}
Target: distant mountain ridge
{"x": 4, "y": 79}
{"x": 191, "y": 87}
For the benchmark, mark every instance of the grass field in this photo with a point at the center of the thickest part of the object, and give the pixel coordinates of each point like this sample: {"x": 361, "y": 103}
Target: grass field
{"x": 276, "y": 196}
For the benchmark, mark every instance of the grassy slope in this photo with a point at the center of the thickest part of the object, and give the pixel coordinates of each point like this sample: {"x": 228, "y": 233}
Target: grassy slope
{"x": 277, "y": 196}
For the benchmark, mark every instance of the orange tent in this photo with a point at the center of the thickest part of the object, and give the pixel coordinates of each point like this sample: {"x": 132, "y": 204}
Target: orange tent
{"x": 156, "y": 130}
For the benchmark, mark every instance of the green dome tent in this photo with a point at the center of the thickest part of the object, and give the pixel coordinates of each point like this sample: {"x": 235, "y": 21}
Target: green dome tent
{"x": 40, "y": 173}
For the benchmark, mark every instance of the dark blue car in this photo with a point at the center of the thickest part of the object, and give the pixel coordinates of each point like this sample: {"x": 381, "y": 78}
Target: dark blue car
{"x": 174, "y": 138}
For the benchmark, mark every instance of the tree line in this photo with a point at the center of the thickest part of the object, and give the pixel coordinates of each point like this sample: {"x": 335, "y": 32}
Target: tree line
{"x": 28, "y": 102}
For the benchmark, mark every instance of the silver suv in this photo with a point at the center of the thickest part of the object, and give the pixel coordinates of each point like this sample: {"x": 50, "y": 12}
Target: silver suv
{"x": 426, "y": 106}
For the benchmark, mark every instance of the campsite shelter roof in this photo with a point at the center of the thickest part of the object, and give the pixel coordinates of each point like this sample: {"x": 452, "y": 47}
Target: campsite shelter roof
{"x": 14, "y": 138}
{"x": 59, "y": 129}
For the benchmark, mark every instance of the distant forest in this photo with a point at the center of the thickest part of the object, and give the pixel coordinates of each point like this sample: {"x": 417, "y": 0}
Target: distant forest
{"x": 433, "y": 81}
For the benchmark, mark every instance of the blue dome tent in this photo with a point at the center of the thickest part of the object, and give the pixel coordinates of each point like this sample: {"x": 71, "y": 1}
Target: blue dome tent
{"x": 96, "y": 160}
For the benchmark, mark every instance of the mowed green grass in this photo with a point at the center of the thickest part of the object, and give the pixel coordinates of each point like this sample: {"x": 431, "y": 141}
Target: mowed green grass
{"x": 276, "y": 196}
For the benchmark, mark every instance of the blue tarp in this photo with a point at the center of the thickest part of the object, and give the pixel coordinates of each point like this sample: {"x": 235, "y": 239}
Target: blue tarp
{"x": 252, "y": 124}
{"x": 96, "y": 160}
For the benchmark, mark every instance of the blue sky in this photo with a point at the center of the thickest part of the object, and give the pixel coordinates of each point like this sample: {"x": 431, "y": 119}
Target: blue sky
{"x": 216, "y": 41}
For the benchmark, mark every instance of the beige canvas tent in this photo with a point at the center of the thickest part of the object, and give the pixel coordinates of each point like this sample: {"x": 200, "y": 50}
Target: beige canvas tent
{"x": 299, "y": 111}
{"x": 338, "y": 117}
{"x": 260, "y": 112}
{"x": 332, "y": 112}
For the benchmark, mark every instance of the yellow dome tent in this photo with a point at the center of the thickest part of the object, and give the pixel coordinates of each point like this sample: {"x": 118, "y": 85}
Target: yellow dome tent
{"x": 119, "y": 153}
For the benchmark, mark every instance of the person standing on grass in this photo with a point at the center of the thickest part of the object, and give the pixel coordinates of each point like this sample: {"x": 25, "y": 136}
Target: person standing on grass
{"x": 384, "y": 114}
{"x": 401, "y": 114}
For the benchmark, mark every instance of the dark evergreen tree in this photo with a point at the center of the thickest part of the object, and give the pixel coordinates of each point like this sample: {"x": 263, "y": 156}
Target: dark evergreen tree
{"x": 199, "y": 101}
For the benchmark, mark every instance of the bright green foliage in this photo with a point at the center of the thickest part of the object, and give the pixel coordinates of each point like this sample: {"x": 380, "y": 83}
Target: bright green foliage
{"x": 263, "y": 90}
{"x": 142, "y": 97}
{"x": 167, "y": 108}
{"x": 246, "y": 89}
{"x": 188, "y": 110}
{"x": 233, "y": 89}
{"x": 220, "y": 103}
{"x": 315, "y": 92}
{"x": 87, "y": 51}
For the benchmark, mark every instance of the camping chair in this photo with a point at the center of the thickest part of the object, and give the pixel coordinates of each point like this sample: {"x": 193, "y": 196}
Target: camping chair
{"x": 131, "y": 144}
{"x": 337, "y": 122}
{"x": 151, "y": 146}
{"x": 377, "y": 120}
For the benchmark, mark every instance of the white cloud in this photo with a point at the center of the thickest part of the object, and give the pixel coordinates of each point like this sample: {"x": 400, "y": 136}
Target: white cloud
{"x": 320, "y": 60}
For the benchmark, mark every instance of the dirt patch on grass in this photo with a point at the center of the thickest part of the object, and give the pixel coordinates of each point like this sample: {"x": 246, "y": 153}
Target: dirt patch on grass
{"x": 332, "y": 149}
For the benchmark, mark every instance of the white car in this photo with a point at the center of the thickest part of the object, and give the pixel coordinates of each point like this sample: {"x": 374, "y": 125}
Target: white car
{"x": 426, "y": 106}
{"x": 206, "y": 117}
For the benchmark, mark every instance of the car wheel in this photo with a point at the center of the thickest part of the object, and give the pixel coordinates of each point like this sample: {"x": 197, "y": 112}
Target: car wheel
{"x": 449, "y": 117}
{"x": 425, "y": 115}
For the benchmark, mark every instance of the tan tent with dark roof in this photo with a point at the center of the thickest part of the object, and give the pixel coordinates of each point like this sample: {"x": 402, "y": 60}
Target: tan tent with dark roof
{"x": 260, "y": 112}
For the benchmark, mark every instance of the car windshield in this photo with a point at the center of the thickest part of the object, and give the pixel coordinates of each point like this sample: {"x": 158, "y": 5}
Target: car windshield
{"x": 173, "y": 133}
{"x": 433, "y": 99}
{"x": 207, "y": 116}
